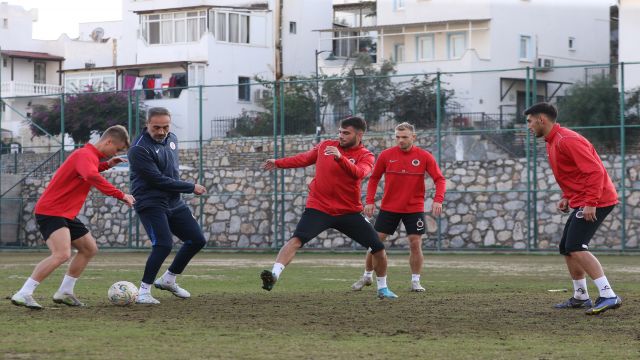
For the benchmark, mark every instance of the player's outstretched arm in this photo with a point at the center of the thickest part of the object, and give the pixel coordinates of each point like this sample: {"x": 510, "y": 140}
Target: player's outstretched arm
{"x": 269, "y": 164}
{"x": 369, "y": 209}
{"x": 128, "y": 199}
{"x": 199, "y": 189}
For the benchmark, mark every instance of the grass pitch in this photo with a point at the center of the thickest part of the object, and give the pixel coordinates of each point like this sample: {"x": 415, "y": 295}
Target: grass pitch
{"x": 475, "y": 307}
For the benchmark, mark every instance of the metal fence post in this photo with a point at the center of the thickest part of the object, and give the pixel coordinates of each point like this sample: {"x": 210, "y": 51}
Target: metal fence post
{"x": 282, "y": 134}
{"x": 439, "y": 147}
{"x": 129, "y": 125}
{"x": 534, "y": 198}
{"x": 62, "y": 130}
{"x": 274, "y": 243}
{"x": 527, "y": 152}
{"x": 201, "y": 164}
{"x": 623, "y": 160}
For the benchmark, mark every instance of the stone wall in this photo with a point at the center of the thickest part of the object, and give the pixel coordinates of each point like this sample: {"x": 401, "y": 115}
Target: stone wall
{"x": 485, "y": 205}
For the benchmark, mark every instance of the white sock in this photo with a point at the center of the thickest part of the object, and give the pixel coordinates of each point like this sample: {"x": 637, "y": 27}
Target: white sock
{"x": 144, "y": 288}
{"x": 580, "y": 289}
{"x": 277, "y": 269}
{"x": 603, "y": 286}
{"x": 168, "y": 277}
{"x": 415, "y": 277}
{"x": 67, "y": 285}
{"x": 368, "y": 274}
{"x": 382, "y": 282}
{"x": 29, "y": 287}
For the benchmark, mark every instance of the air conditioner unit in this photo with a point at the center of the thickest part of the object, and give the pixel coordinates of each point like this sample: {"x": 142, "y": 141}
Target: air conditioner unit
{"x": 261, "y": 94}
{"x": 545, "y": 64}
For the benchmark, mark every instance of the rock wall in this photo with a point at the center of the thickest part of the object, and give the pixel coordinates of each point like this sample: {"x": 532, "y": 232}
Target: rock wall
{"x": 485, "y": 205}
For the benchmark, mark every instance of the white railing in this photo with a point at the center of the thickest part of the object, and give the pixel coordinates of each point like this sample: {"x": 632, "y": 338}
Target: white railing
{"x": 19, "y": 88}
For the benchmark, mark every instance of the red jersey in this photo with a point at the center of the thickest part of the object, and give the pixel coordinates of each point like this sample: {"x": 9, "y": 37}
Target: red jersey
{"x": 335, "y": 189}
{"x": 404, "y": 179}
{"x": 578, "y": 170}
{"x": 67, "y": 191}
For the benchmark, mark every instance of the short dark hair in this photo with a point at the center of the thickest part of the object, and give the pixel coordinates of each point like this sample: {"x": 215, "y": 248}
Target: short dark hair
{"x": 117, "y": 132}
{"x": 356, "y": 122}
{"x": 156, "y": 111}
{"x": 542, "y": 108}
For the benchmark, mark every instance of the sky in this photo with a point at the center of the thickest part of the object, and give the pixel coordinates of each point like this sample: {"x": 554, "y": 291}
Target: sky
{"x": 56, "y": 17}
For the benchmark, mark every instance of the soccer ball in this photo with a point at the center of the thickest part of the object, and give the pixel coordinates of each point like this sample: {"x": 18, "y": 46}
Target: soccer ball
{"x": 123, "y": 293}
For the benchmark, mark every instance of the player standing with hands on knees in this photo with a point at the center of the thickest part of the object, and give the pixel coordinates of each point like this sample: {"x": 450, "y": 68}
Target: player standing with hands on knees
{"x": 588, "y": 190}
{"x": 56, "y": 212}
{"x": 404, "y": 167}
{"x": 334, "y": 199}
{"x": 155, "y": 181}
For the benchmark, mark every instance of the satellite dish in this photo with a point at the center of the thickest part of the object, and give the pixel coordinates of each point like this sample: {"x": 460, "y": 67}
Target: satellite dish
{"x": 97, "y": 34}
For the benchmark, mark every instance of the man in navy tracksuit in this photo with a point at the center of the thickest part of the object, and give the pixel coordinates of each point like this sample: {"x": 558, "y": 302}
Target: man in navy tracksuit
{"x": 156, "y": 185}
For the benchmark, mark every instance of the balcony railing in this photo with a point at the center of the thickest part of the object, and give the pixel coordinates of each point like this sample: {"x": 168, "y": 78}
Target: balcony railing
{"x": 19, "y": 88}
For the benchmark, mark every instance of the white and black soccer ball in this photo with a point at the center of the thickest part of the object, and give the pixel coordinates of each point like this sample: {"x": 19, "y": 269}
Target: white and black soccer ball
{"x": 123, "y": 293}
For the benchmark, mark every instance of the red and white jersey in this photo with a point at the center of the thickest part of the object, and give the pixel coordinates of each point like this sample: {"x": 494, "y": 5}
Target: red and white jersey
{"x": 335, "y": 189}
{"x": 70, "y": 185}
{"x": 404, "y": 175}
{"x": 578, "y": 169}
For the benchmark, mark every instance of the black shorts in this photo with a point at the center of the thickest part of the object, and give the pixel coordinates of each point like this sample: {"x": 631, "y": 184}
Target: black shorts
{"x": 355, "y": 226}
{"x": 578, "y": 232}
{"x": 48, "y": 224}
{"x": 387, "y": 222}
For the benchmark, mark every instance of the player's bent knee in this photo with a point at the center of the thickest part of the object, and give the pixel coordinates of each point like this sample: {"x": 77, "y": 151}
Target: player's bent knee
{"x": 376, "y": 248}
{"x": 61, "y": 256}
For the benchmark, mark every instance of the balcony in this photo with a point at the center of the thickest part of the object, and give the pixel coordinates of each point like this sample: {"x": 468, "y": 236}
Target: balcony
{"x": 19, "y": 88}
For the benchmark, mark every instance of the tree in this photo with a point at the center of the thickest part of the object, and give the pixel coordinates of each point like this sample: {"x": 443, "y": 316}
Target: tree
{"x": 373, "y": 89}
{"x": 84, "y": 113}
{"x": 415, "y": 101}
{"x": 299, "y": 110}
{"x": 593, "y": 103}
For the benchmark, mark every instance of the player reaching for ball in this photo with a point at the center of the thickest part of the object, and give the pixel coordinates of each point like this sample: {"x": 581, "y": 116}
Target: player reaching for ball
{"x": 56, "y": 212}
{"x": 334, "y": 199}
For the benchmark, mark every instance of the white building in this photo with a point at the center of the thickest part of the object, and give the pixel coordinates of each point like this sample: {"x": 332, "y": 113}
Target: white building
{"x": 212, "y": 43}
{"x": 478, "y": 35}
{"x": 31, "y": 70}
{"x": 628, "y": 43}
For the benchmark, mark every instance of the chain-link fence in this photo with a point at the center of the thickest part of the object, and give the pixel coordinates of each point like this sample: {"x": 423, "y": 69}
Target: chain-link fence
{"x": 501, "y": 193}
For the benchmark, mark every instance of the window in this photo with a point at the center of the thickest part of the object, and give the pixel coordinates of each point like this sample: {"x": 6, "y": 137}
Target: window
{"x": 345, "y": 47}
{"x": 425, "y": 48}
{"x": 221, "y": 30}
{"x": 4, "y": 62}
{"x": 232, "y": 27}
{"x": 196, "y": 75}
{"x": 572, "y": 43}
{"x": 292, "y": 27}
{"x": 398, "y": 53}
{"x": 525, "y": 48}
{"x": 99, "y": 81}
{"x": 244, "y": 89}
{"x": 169, "y": 28}
{"x": 5, "y": 23}
{"x": 398, "y": 4}
{"x": 457, "y": 45}
{"x": 39, "y": 72}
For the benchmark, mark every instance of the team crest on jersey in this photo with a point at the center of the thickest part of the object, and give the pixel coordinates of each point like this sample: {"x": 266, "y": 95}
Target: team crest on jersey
{"x": 172, "y": 145}
{"x": 353, "y": 161}
{"x": 415, "y": 162}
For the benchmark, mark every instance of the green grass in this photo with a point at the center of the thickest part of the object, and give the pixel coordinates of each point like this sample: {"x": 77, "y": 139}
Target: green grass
{"x": 475, "y": 307}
